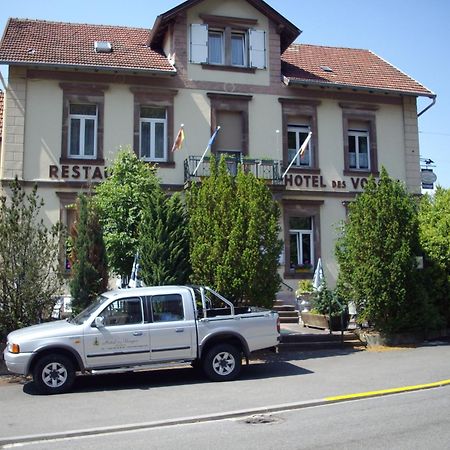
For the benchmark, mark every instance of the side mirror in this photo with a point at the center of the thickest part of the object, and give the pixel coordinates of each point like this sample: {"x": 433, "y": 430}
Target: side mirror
{"x": 99, "y": 322}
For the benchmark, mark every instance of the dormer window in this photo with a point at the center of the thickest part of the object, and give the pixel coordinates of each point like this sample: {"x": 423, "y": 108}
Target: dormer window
{"x": 229, "y": 45}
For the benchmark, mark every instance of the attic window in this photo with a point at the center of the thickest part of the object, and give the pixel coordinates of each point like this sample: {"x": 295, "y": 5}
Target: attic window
{"x": 102, "y": 47}
{"x": 327, "y": 69}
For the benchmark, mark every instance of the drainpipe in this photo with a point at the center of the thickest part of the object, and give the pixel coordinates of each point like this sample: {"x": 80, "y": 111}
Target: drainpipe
{"x": 428, "y": 107}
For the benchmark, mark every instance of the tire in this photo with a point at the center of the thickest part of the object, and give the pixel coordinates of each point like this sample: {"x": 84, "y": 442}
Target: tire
{"x": 222, "y": 363}
{"x": 54, "y": 374}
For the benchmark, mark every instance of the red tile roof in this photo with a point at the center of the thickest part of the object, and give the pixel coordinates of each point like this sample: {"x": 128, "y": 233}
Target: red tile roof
{"x": 1, "y": 113}
{"x": 40, "y": 42}
{"x": 356, "y": 68}
{"x": 55, "y": 43}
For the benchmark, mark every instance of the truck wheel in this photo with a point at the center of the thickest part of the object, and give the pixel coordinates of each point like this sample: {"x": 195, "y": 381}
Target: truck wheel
{"x": 54, "y": 374}
{"x": 222, "y": 363}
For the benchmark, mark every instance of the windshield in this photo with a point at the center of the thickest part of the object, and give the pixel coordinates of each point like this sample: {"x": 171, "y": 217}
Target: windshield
{"x": 86, "y": 313}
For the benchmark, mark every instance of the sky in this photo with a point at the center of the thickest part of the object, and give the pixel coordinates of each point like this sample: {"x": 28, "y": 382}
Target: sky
{"x": 410, "y": 34}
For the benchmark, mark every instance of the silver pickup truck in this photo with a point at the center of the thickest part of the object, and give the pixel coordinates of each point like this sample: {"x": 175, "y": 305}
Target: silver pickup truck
{"x": 142, "y": 328}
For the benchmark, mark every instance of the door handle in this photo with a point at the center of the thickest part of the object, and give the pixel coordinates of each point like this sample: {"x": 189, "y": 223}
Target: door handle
{"x": 179, "y": 330}
{"x": 137, "y": 333}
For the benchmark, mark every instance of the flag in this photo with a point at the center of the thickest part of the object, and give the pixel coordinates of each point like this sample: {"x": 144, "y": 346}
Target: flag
{"x": 212, "y": 139}
{"x": 178, "y": 144}
{"x": 208, "y": 147}
{"x": 318, "y": 278}
{"x": 135, "y": 281}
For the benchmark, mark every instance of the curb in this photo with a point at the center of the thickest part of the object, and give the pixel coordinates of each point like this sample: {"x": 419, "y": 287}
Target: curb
{"x": 218, "y": 416}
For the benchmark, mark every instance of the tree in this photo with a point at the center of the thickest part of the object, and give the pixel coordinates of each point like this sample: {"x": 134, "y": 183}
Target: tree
{"x": 377, "y": 256}
{"x": 234, "y": 236}
{"x": 30, "y": 269}
{"x": 119, "y": 200}
{"x": 89, "y": 275}
{"x": 163, "y": 241}
{"x": 434, "y": 219}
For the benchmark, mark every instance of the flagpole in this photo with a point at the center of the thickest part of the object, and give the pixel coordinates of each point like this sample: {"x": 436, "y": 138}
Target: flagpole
{"x": 300, "y": 150}
{"x": 206, "y": 150}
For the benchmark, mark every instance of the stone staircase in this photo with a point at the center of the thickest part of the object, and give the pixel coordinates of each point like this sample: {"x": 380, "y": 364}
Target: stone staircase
{"x": 286, "y": 307}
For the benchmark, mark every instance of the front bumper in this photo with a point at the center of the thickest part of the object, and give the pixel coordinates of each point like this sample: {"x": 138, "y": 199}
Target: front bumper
{"x": 17, "y": 362}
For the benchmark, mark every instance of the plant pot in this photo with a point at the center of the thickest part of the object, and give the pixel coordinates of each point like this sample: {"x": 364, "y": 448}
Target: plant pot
{"x": 323, "y": 321}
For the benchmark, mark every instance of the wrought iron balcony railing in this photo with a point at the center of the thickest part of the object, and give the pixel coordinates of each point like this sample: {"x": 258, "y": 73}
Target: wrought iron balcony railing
{"x": 266, "y": 169}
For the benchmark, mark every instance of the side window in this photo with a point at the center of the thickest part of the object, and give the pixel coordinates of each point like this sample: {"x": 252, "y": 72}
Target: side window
{"x": 153, "y": 134}
{"x": 296, "y": 136}
{"x": 82, "y": 131}
{"x": 123, "y": 312}
{"x": 301, "y": 243}
{"x": 167, "y": 308}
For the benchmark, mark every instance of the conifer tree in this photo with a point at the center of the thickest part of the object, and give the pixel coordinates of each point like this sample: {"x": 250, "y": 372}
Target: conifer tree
{"x": 234, "y": 236}
{"x": 89, "y": 272}
{"x": 163, "y": 241}
{"x": 377, "y": 252}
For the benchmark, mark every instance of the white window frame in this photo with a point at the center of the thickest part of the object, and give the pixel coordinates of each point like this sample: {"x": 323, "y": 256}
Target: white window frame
{"x": 297, "y": 129}
{"x": 357, "y": 134}
{"x": 153, "y": 122}
{"x": 220, "y": 33}
{"x": 82, "y": 118}
{"x": 244, "y": 43}
{"x": 299, "y": 234}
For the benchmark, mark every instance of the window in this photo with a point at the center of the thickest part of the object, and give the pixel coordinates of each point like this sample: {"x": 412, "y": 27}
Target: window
{"x": 238, "y": 50}
{"x": 301, "y": 224}
{"x": 296, "y": 137}
{"x": 123, "y": 312}
{"x": 299, "y": 117}
{"x": 301, "y": 243}
{"x": 83, "y": 110}
{"x": 153, "y": 133}
{"x": 358, "y": 149}
{"x": 228, "y": 44}
{"x": 82, "y": 131}
{"x": 360, "y": 139}
{"x": 167, "y": 308}
{"x": 215, "y": 47}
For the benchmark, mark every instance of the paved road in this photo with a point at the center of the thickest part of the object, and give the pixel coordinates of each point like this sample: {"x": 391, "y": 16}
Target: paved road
{"x": 105, "y": 401}
{"x": 410, "y": 421}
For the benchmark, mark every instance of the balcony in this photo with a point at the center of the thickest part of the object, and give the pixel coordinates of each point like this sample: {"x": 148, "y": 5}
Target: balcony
{"x": 268, "y": 170}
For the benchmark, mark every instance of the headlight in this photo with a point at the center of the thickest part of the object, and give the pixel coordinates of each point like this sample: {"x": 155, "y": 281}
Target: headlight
{"x": 13, "y": 348}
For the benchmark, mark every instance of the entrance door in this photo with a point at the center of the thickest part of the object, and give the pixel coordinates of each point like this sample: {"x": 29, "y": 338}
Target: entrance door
{"x": 123, "y": 340}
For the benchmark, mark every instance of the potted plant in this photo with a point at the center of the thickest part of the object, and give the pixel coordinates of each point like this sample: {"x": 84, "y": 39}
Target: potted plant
{"x": 328, "y": 312}
{"x": 304, "y": 294}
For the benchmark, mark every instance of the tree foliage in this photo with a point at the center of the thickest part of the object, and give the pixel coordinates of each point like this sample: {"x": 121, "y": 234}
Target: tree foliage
{"x": 89, "y": 274}
{"x": 119, "y": 199}
{"x": 434, "y": 219}
{"x": 234, "y": 236}
{"x": 164, "y": 241}
{"x": 377, "y": 256}
{"x": 30, "y": 270}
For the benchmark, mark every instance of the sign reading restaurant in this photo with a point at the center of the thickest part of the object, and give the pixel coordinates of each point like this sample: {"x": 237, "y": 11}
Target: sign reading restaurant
{"x": 76, "y": 172}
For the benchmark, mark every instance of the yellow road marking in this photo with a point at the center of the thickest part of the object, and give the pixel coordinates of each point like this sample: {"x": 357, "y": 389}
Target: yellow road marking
{"x": 387, "y": 391}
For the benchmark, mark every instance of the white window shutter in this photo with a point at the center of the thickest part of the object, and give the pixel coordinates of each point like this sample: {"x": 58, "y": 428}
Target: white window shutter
{"x": 199, "y": 43}
{"x": 257, "y": 48}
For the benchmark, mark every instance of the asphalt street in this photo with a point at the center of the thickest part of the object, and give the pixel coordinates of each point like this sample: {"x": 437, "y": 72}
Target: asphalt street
{"x": 125, "y": 400}
{"x": 410, "y": 421}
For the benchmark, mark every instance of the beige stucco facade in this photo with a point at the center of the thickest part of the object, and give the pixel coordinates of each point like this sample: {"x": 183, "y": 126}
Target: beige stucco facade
{"x": 34, "y": 127}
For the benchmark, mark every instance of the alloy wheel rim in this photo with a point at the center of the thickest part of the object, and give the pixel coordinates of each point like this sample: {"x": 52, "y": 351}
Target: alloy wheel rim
{"x": 224, "y": 363}
{"x": 54, "y": 375}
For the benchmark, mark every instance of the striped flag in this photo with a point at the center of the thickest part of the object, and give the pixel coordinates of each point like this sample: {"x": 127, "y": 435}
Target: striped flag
{"x": 178, "y": 144}
{"x": 212, "y": 139}
{"x": 135, "y": 280}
